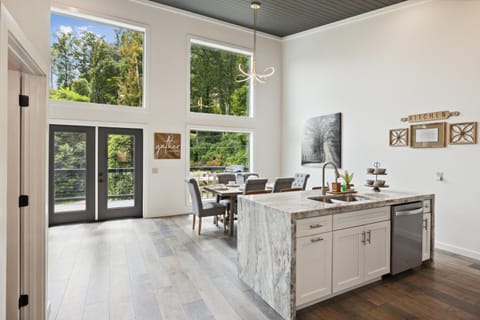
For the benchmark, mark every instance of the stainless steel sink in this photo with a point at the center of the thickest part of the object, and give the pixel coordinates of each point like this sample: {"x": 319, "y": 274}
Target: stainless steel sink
{"x": 339, "y": 198}
{"x": 325, "y": 199}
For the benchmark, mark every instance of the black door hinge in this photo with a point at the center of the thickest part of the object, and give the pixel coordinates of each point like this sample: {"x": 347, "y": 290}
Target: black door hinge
{"x": 23, "y": 100}
{"x": 22, "y": 301}
{"x": 23, "y": 201}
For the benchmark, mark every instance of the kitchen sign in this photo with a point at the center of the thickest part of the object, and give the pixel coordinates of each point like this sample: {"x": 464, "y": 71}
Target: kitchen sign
{"x": 167, "y": 146}
{"x": 430, "y": 116}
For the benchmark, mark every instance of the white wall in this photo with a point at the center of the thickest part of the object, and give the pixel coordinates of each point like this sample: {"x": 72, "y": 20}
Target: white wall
{"x": 28, "y": 22}
{"x": 34, "y": 19}
{"x": 166, "y": 100}
{"x": 415, "y": 59}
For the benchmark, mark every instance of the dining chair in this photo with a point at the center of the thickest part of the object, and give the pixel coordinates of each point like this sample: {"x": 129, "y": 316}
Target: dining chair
{"x": 253, "y": 184}
{"x": 300, "y": 180}
{"x": 282, "y": 183}
{"x": 291, "y": 189}
{"x": 225, "y": 178}
{"x": 242, "y": 177}
{"x": 203, "y": 209}
{"x": 257, "y": 192}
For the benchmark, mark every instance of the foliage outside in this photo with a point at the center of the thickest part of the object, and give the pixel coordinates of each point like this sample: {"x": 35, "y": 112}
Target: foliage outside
{"x": 213, "y": 86}
{"x": 70, "y": 166}
{"x": 86, "y": 68}
{"x": 218, "y": 149}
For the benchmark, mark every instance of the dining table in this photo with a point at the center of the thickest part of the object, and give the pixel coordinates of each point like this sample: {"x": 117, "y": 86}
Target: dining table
{"x": 227, "y": 191}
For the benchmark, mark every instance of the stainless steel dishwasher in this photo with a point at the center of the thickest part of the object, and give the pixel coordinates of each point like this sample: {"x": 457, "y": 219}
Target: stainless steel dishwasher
{"x": 407, "y": 227}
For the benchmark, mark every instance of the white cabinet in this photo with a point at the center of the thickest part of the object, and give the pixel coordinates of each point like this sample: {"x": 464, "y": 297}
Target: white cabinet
{"x": 377, "y": 250}
{"x": 427, "y": 231}
{"x": 360, "y": 254}
{"x": 348, "y": 255}
{"x": 313, "y": 268}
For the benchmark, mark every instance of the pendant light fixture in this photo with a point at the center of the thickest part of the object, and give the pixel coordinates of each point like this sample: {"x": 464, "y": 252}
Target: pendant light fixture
{"x": 253, "y": 75}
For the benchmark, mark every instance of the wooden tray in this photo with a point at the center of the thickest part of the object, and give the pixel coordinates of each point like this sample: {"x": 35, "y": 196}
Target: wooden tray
{"x": 342, "y": 192}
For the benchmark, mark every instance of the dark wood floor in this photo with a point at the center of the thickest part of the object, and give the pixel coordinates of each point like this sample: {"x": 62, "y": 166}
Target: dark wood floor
{"x": 161, "y": 269}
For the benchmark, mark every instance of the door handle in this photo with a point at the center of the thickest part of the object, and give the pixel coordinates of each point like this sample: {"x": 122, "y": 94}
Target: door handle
{"x": 409, "y": 212}
{"x": 363, "y": 238}
{"x": 314, "y": 226}
{"x": 316, "y": 239}
{"x": 369, "y": 233}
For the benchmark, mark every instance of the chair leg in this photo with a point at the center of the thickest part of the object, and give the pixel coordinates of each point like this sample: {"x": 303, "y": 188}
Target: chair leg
{"x": 199, "y": 225}
{"x": 224, "y": 224}
{"x": 193, "y": 224}
{"x": 215, "y": 220}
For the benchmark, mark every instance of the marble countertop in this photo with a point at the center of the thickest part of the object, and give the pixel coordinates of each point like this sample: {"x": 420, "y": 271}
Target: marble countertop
{"x": 300, "y": 206}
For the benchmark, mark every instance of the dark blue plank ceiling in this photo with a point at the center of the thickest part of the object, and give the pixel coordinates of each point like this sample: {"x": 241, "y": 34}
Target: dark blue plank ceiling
{"x": 280, "y": 17}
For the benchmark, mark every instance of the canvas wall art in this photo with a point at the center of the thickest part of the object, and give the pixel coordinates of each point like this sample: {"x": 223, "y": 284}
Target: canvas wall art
{"x": 322, "y": 140}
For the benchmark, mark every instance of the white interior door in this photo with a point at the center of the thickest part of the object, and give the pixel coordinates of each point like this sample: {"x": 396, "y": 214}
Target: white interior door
{"x": 13, "y": 191}
{"x": 26, "y": 176}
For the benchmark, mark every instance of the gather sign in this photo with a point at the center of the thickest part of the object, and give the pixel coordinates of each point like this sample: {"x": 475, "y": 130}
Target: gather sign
{"x": 167, "y": 146}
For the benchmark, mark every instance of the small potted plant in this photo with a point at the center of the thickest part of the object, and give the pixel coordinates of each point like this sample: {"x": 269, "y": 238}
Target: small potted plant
{"x": 347, "y": 177}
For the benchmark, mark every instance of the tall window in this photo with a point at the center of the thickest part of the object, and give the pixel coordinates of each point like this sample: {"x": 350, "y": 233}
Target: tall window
{"x": 96, "y": 62}
{"x": 215, "y": 151}
{"x": 213, "y": 85}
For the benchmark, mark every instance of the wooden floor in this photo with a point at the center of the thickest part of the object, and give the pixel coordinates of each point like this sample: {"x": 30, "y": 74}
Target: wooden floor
{"x": 161, "y": 269}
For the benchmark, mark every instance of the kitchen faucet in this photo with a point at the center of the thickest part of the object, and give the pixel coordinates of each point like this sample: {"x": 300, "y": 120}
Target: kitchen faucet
{"x": 337, "y": 175}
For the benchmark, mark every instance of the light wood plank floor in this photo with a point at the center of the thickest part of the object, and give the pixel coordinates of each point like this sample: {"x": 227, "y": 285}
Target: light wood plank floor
{"x": 161, "y": 269}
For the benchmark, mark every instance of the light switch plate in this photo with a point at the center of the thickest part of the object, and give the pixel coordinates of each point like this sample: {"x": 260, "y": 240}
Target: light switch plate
{"x": 154, "y": 170}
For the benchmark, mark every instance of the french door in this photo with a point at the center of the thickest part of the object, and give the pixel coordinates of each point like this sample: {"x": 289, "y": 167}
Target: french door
{"x": 80, "y": 193}
{"x": 120, "y": 172}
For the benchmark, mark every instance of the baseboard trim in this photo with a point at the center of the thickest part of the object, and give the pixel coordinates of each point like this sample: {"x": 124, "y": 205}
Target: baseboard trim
{"x": 458, "y": 250}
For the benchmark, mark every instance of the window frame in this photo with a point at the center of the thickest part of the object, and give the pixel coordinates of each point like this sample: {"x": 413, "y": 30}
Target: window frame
{"x": 189, "y": 128}
{"x": 226, "y": 47}
{"x": 114, "y": 22}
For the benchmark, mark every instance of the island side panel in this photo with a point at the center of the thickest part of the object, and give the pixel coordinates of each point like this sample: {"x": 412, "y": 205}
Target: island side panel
{"x": 264, "y": 245}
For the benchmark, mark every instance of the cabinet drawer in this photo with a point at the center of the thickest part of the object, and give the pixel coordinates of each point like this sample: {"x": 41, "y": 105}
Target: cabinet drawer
{"x": 361, "y": 217}
{"x": 311, "y": 226}
{"x": 427, "y": 206}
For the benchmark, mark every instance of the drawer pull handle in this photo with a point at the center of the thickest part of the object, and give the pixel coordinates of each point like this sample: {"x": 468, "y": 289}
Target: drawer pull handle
{"x": 314, "y": 226}
{"x": 364, "y": 242}
{"x": 316, "y": 239}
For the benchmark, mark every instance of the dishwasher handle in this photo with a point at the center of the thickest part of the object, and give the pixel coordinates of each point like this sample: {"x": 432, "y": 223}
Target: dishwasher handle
{"x": 409, "y": 212}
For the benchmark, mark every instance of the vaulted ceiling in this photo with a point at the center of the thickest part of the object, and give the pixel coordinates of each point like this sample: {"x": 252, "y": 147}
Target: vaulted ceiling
{"x": 280, "y": 17}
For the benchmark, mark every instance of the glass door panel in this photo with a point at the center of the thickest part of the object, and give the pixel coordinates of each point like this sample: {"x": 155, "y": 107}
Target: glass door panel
{"x": 120, "y": 173}
{"x": 71, "y": 173}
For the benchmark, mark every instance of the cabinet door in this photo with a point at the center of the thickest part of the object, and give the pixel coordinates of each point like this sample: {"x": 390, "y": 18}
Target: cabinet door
{"x": 427, "y": 225}
{"x": 377, "y": 250}
{"x": 348, "y": 258}
{"x": 314, "y": 268}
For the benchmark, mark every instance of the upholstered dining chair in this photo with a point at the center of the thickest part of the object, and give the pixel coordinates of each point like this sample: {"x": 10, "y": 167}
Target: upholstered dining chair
{"x": 282, "y": 183}
{"x": 225, "y": 178}
{"x": 300, "y": 180}
{"x": 254, "y": 184}
{"x": 257, "y": 192}
{"x": 203, "y": 209}
{"x": 244, "y": 176}
{"x": 291, "y": 189}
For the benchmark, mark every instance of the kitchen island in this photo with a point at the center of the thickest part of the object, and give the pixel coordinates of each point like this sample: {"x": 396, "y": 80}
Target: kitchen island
{"x": 298, "y": 248}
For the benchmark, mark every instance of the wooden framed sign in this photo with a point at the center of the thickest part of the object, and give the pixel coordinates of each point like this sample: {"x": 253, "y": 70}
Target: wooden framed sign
{"x": 167, "y": 146}
{"x": 432, "y": 135}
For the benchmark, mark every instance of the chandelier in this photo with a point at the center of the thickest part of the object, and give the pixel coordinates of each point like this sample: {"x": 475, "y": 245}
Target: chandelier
{"x": 253, "y": 75}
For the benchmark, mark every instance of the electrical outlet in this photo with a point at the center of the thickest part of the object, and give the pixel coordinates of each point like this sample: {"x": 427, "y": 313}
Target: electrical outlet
{"x": 439, "y": 175}
{"x": 154, "y": 170}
